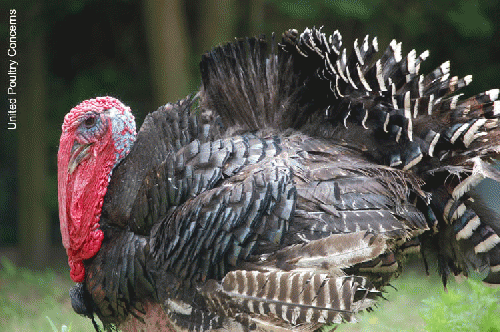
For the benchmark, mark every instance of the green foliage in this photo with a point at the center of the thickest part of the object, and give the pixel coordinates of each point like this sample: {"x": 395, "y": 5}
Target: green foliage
{"x": 357, "y": 9}
{"x": 460, "y": 310}
{"x": 400, "y": 311}
{"x": 299, "y": 9}
{"x": 469, "y": 19}
{"x": 312, "y": 9}
{"x": 36, "y": 301}
{"x": 419, "y": 303}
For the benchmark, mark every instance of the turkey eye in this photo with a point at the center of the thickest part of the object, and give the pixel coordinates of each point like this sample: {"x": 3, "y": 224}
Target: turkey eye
{"x": 89, "y": 122}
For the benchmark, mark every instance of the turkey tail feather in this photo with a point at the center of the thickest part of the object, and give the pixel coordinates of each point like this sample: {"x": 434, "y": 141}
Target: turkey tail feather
{"x": 418, "y": 122}
{"x": 417, "y": 116}
{"x": 254, "y": 85}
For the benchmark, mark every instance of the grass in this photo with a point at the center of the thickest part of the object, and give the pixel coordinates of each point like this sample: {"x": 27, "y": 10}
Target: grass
{"x": 402, "y": 310}
{"x": 39, "y": 301}
{"x": 420, "y": 303}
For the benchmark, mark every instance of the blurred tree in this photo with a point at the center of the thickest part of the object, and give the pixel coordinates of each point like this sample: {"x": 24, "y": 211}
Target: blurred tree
{"x": 168, "y": 49}
{"x": 34, "y": 226}
{"x": 218, "y": 21}
{"x": 256, "y": 17}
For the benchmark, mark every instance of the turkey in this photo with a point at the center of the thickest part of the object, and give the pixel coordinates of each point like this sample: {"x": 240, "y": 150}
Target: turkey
{"x": 284, "y": 195}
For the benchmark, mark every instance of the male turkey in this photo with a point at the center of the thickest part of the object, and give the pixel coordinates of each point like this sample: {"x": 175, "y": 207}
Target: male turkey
{"x": 283, "y": 195}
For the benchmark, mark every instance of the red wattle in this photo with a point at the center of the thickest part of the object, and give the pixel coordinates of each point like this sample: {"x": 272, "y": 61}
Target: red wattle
{"x": 77, "y": 271}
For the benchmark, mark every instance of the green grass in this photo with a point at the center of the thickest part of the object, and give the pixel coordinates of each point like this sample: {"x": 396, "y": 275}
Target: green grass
{"x": 39, "y": 301}
{"x": 401, "y": 311}
{"x": 420, "y": 303}
{"x": 475, "y": 309}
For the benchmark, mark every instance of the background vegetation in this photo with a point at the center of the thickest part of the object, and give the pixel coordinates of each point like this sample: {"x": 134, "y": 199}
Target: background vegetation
{"x": 146, "y": 53}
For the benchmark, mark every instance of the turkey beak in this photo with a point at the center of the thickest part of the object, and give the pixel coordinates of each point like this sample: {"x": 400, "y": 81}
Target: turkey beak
{"x": 78, "y": 153}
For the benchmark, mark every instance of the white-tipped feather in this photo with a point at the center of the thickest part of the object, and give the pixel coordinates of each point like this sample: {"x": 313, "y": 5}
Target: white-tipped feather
{"x": 470, "y": 134}
{"x": 393, "y": 94}
{"x": 330, "y": 66}
{"x": 454, "y": 100}
{"x": 487, "y": 244}
{"x": 299, "y": 50}
{"x": 421, "y": 86}
{"x": 375, "y": 44}
{"x": 363, "y": 122}
{"x": 380, "y": 77}
{"x": 433, "y": 143}
{"x": 496, "y": 108}
{"x": 337, "y": 88}
{"x": 445, "y": 67}
{"x": 415, "y": 108}
{"x": 411, "y": 61}
{"x": 444, "y": 77}
{"x": 362, "y": 79}
{"x": 339, "y": 38}
{"x": 325, "y": 42}
{"x": 366, "y": 46}
{"x": 459, "y": 211}
{"x": 340, "y": 67}
{"x": 458, "y": 132}
{"x": 348, "y": 74}
{"x": 469, "y": 228}
{"x": 430, "y": 105}
{"x": 453, "y": 82}
{"x": 424, "y": 55}
{"x": 386, "y": 122}
{"x": 413, "y": 162}
{"x": 358, "y": 54}
{"x": 447, "y": 208}
{"x": 493, "y": 94}
{"x": 407, "y": 105}
{"x": 468, "y": 79}
{"x": 399, "y": 53}
{"x": 398, "y": 135}
{"x": 410, "y": 129}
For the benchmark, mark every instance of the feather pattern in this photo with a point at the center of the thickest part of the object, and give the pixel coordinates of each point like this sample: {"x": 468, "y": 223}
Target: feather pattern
{"x": 298, "y": 298}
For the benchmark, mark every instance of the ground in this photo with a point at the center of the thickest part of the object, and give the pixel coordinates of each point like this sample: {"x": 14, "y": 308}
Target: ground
{"x": 39, "y": 301}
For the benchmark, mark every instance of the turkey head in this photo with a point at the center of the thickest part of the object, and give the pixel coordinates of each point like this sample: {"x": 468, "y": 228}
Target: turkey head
{"x": 96, "y": 135}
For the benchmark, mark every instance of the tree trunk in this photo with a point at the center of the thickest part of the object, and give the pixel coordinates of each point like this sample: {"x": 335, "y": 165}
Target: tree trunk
{"x": 34, "y": 230}
{"x": 218, "y": 23}
{"x": 256, "y": 14}
{"x": 168, "y": 49}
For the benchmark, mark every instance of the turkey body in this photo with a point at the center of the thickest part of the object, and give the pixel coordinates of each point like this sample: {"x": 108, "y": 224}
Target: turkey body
{"x": 277, "y": 204}
{"x": 287, "y": 192}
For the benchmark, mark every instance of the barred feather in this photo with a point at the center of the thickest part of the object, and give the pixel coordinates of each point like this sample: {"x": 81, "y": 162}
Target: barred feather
{"x": 392, "y": 98}
{"x": 296, "y": 298}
